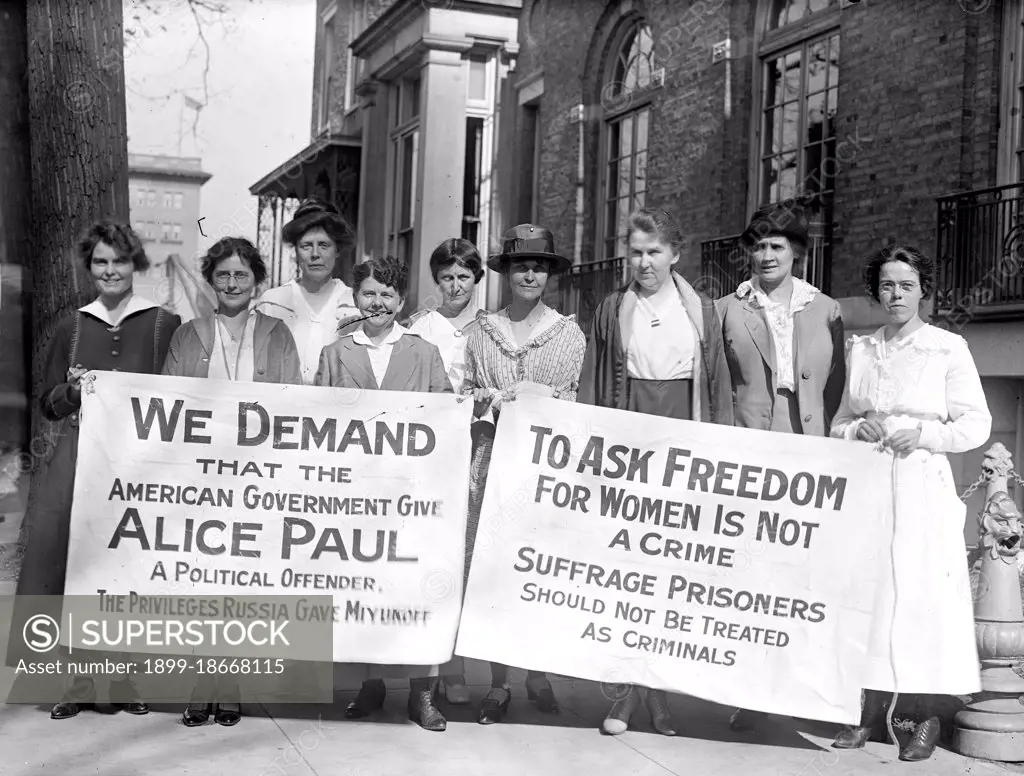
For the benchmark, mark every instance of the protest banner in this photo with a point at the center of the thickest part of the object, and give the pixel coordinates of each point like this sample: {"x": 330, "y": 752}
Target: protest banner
{"x": 204, "y": 487}
{"x": 735, "y": 565}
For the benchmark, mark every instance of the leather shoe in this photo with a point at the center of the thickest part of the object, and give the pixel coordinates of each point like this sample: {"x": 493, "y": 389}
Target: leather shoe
{"x": 370, "y": 699}
{"x": 422, "y": 710}
{"x": 125, "y": 697}
{"x": 81, "y": 695}
{"x": 922, "y": 743}
{"x": 494, "y": 706}
{"x": 617, "y": 721}
{"x": 227, "y": 714}
{"x": 852, "y": 738}
{"x": 661, "y": 717}
{"x": 742, "y": 720}
{"x": 197, "y": 714}
{"x": 538, "y": 690}
{"x": 455, "y": 690}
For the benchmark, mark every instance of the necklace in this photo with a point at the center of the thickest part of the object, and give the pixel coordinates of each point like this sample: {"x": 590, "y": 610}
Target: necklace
{"x": 224, "y": 351}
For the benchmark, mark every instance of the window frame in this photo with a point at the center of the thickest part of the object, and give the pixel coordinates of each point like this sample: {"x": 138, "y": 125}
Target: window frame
{"x": 402, "y": 128}
{"x": 769, "y": 45}
{"x": 641, "y": 99}
{"x": 325, "y": 66}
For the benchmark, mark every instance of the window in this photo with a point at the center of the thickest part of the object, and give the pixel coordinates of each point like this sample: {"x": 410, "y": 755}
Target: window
{"x": 405, "y": 139}
{"x": 1011, "y": 126}
{"x": 354, "y": 69}
{"x": 140, "y": 197}
{"x": 472, "y": 181}
{"x": 168, "y": 200}
{"x": 799, "y": 84}
{"x": 178, "y": 200}
{"x": 477, "y": 82}
{"x": 176, "y": 232}
{"x": 166, "y": 235}
{"x": 626, "y": 122}
{"x": 151, "y": 198}
{"x": 326, "y": 76}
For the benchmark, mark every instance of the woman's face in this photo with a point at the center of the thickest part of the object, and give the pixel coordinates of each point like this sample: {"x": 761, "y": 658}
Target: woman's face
{"x": 528, "y": 278}
{"x": 112, "y": 273}
{"x": 773, "y": 259}
{"x": 381, "y": 301}
{"x": 234, "y": 283}
{"x": 899, "y": 291}
{"x": 317, "y": 254}
{"x": 650, "y": 259}
{"x": 457, "y": 285}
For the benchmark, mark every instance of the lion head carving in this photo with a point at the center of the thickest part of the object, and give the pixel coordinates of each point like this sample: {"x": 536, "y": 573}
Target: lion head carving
{"x": 1001, "y": 529}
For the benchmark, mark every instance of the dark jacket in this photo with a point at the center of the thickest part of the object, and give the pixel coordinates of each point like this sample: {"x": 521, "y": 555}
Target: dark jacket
{"x": 276, "y": 359}
{"x": 603, "y": 378}
{"x": 818, "y": 358}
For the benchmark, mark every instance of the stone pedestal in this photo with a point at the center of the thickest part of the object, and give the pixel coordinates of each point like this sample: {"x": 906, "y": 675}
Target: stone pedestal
{"x": 991, "y": 727}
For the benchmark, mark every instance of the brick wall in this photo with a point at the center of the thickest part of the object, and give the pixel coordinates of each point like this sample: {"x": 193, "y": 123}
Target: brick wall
{"x": 917, "y": 109}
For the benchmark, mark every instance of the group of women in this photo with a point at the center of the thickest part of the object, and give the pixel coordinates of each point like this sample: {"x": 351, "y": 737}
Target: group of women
{"x": 768, "y": 356}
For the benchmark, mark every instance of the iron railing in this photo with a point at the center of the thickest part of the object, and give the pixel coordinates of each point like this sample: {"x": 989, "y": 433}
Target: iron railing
{"x": 584, "y": 287}
{"x": 723, "y": 266}
{"x": 980, "y": 255}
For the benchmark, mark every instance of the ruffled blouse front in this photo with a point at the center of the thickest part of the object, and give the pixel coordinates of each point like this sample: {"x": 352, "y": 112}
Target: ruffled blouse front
{"x": 928, "y": 378}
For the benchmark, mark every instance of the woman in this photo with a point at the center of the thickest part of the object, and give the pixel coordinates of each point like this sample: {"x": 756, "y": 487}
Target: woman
{"x": 379, "y": 354}
{"x": 456, "y": 267}
{"x": 525, "y": 349}
{"x": 316, "y": 304}
{"x": 914, "y": 389}
{"x": 234, "y": 343}
{"x": 118, "y": 332}
{"x": 655, "y": 348}
{"x": 783, "y": 342}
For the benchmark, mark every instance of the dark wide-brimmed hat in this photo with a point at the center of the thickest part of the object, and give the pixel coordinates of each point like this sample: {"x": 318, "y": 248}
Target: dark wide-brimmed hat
{"x": 785, "y": 219}
{"x": 314, "y": 213}
{"x": 528, "y": 241}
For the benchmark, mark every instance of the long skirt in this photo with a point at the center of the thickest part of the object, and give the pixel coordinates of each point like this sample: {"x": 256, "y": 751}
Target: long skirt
{"x": 922, "y": 637}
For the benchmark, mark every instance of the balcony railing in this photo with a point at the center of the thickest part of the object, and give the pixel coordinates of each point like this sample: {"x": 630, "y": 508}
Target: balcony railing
{"x": 584, "y": 287}
{"x": 723, "y": 266}
{"x": 980, "y": 255}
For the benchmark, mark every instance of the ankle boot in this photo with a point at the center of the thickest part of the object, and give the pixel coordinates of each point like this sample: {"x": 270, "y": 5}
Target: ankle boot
{"x": 922, "y": 744}
{"x": 370, "y": 699}
{"x": 125, "y": 696}
{"x": 661, "y": 717}
{"x": 874, "y": 708}
{"x": 422, "y": 710}
{"x": 627, "y": 701}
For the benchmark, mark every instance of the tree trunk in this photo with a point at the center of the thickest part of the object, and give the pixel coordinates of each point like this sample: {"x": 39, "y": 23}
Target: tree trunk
{"x": 79, "y": 152}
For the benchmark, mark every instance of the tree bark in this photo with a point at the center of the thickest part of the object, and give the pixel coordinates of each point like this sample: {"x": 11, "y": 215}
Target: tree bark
{"x": 79, "y": 163}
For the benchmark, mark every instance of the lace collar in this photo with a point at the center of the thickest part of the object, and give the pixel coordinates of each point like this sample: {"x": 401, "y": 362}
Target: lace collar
{"x": 803, "y": 295}
{"x": 498, "y": 327}
{"x": 927, "y": 339}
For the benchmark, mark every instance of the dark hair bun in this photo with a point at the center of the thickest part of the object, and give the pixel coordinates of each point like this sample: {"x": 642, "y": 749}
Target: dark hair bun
{"x": 312, "y": 205}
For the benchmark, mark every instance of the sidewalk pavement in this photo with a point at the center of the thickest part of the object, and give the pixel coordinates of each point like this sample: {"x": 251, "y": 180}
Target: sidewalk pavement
{"x": 316, "y": 739}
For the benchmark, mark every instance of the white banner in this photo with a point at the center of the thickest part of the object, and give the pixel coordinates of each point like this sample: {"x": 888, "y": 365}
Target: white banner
{"x": 735, "y": 565}
{"x": 204, "y": 487}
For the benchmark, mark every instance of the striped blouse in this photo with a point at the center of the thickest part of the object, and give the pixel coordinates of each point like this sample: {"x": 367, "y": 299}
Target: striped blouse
{"x": 552, "y": 356}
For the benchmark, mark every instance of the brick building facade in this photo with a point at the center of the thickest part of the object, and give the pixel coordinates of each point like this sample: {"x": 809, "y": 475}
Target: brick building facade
{"x": 873, "y": 111}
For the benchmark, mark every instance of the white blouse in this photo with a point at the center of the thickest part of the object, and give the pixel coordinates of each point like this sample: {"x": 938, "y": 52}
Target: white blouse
{"x": 448, "y": 335}
{"x": 311, "y": 330}
{"x": 662, "y": 344}
{"x": 928, "y": 378}
{"x": 780, "y": 324}
{"x": 233, "y": 359}
{"x": 379, "y": 355}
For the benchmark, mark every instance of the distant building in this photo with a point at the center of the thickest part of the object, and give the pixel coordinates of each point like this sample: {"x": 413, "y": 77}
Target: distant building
{"x": 164, "y": 196}
{"x": 404, "y": 139}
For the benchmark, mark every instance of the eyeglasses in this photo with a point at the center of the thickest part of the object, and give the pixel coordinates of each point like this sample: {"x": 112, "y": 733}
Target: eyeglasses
{"x": 887, "y": 287}
{"x": 241, "y": 278}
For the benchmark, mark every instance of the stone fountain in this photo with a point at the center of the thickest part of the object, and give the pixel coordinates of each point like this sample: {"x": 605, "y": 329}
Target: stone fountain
{"x": 991, "y": 727}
